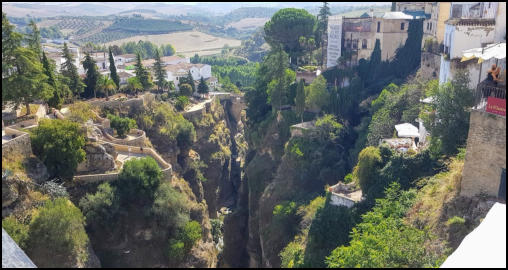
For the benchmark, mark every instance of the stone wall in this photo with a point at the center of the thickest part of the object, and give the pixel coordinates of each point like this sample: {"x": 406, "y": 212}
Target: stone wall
{"x": 20, "y": 144}
{"x": 430, "y": 63}
{"x": 485, "y": 154}
{"x": 338, "y": 200}
{"x": 166, "y": 167}
{"x": 138, "y": 140}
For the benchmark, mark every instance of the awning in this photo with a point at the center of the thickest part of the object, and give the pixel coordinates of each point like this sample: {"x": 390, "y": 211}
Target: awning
{"x": 497, "y": 50}
{"x": 485, "y": 246}
{"x": 407, "y": 130}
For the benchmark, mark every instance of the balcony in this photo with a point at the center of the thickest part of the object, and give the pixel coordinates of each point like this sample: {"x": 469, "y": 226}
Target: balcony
{"x": 483, "y": 91}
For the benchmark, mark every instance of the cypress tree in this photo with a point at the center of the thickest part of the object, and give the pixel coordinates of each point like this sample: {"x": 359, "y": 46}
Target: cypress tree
{"x": 300, "y": 99}
{"x": 92, "y": 75}
{"x": 159, "y": 72}
{"x": 202, "y": 87}
{"x": 56, "y": 100}
{"x": 70, "y": 72}
{"x": 141, "y": 73}
{"x": 112, "y": 69}
{"x": 190, "y": 81}
{"x": 34, "y": 39}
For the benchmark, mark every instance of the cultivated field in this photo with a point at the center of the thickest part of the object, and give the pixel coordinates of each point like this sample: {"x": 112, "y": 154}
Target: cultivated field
{"x": 248, "y": 23}
{"x": 186, "y": 43}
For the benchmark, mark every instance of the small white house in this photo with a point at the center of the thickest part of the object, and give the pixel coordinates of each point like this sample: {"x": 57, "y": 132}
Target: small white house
{"x": 124, "y": 58}
{"x": 175, "y": 72}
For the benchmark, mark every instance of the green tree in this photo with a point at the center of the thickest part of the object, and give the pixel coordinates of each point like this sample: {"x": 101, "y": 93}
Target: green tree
{"x": 190, "y": 81}
{"x": 181, "y": 102}
{"x": 159, "y": 72}
{"x": 28, "y": 82}
{"x": 139, "y": 178}
{"x": 59, "y": 90}
{"x": 202, "y": 87}
{"x": 70, "y": 72}
{"x": 101, "y": 207}
{"x": 10, "y": 41}
{"x": 190, "y": 233}
{"x": 57, "y": 236}
{"x": 92, "y": 76}
{"x": 384, "y": 239}
{"x": 450, "y": 124}
{"x": 59, "y": 144}
{"x": 33, "y": 39}
{"x": 170, "y": 207}
{"x": 122, "y": 125}
{"x": 322, "y": 28}
{"x": 285, "y": 29}
{"x": 142, "y": 73}
{"x": 134, "y": 85}
{"x": 316, "y": 94}
{"x": 185, "y": 89}
{"x": 300, "y": 99}
{"x": 106, "y": 85}
{"x": 367, "y": 168}
{"x": 17, "y": 230}
{"x": 112, "y": 70}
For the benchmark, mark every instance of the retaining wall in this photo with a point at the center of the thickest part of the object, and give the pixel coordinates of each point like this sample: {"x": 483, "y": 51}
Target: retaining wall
{"x": 137, "y": 141}
{"x": 21, "y": 144}
{"x": 166, "y": 167}
{"x": 339, "y": 200}
{"x": 485, "y": 154}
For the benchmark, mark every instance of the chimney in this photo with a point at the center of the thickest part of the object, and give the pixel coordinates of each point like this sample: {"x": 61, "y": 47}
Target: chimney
{"x": 372, "y": 13}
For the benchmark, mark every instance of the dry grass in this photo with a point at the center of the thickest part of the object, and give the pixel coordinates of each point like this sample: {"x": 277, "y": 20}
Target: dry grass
{"x": 248, "y": 23}
{"x": 33, "y": 109}
{"x": 186, "y": 43}
{"x": 439, "y": 190}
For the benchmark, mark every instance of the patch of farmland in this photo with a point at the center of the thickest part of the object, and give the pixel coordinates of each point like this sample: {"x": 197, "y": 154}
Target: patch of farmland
{"x": 187, "y": 43}
{"x": 248, "y": 23}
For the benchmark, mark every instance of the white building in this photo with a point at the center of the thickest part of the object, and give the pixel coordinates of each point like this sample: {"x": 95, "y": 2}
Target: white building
{"x": 198, "y": 71}
{"x": 56, "y": 55}
{"x": 124, "y": 58}
{"x": 334, "y": 40}
{"x": 471, "y": 25}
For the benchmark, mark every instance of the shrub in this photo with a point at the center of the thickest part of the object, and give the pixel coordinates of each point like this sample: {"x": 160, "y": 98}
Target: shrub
{"x": 57, "y": 235}
{"x": 17, "y": 230}
{"x": 170, "y": 207}
{"x": 190, "y": 234}
{"x": 122, "y": 125}
{"x": 181, "y": 102}
{"x": 59, "y": 143}
{"x": 176, "y": 250}
{"x": 139, "y": 178}
{"x": 369, "y": 161}
{"x": 455, "y": 221}
{"x": 99, "y": 208}
{"x": 292, "y": 255}
{"x": 348, "y": 178}
{"x": 81, "y": 112}
{"x": 185, "y": 89}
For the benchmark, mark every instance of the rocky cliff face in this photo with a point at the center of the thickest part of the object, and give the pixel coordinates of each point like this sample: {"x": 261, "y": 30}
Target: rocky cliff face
{"x": 98, "y": 160}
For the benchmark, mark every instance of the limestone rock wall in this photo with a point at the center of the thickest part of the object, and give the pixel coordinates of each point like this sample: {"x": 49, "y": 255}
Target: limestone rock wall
{"x": 485, "y": 154}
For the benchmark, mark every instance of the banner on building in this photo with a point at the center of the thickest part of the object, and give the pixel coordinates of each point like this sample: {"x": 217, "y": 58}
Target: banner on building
{"x": 496, "y": 106}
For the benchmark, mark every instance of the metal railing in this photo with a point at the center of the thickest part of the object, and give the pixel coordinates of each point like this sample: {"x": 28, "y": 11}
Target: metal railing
{"x": 484, "y": 90}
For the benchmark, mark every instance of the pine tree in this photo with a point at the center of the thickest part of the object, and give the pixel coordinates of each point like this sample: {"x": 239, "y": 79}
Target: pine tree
{"x": 56, "y": 99}
{"x": 159, "y": 72}
{"x": 300, "y": 99}
{"x": 92, "y": 76}
{"x": 112, "y": 69}
{"x": 375, "y": 60}
{"x": 141, "y": 73}
{"x": 190, "y": 81}
{"x": 28, "y": 82}
{"x": 10, "y": 41}
{"x": 202, "y": 87}
{"x": 34, "y": 39}
{"x": 70, "y": 72}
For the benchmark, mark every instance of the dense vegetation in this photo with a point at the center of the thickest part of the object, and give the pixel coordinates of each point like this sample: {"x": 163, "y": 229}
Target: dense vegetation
{"x": 147, "y": 26}
{"x": 59, "y": 143}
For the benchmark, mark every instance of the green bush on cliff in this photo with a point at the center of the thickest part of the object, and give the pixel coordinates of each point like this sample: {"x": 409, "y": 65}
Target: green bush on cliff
{"x": 59, "y": 144}
{"x": 17, "y": 230}
{"x": 139, "y": 179}
{"x": 184, "y": 241}
{"x": 383, "y": 239}
{"x": 57, "y": 236}
{"x": 101, "y": 207}
{"x": 122, "y": 125}
{"x": 366, "y": 171}
{"x": 170, "y": 207}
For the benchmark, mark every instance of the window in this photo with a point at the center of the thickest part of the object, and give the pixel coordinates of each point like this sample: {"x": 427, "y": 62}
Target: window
{"x": 402, "y": 26}
{"x": 378, "y": 26}
{"x": 348, "y": 43}
{"x": 364, "y": 44}
{"x": 501, "y": 194}
{"x": 355, "y": 44}
{"x": 430, "y": 26}
{"x": 427, "y": 26}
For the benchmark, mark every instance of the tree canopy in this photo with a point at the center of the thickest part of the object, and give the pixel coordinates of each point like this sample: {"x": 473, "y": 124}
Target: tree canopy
{"x": 286, "y": 27}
